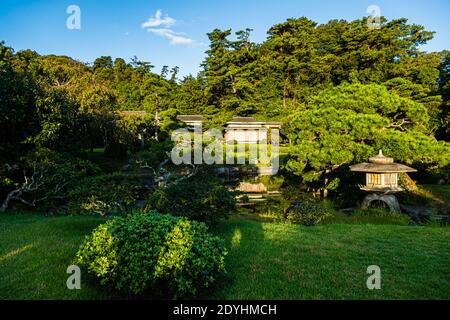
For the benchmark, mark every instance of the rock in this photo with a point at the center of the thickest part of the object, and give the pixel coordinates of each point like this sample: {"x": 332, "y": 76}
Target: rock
{"x": 417, "y": 213}
{"x": 389, "y": 199}
{"x": 253, "y": 188}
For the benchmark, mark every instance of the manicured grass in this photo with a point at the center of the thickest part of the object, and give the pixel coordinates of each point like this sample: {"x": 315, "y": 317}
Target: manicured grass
{"x": 280, "y": 261}
{"x": 265, "y": 260}
{"x": 35, "y": 252}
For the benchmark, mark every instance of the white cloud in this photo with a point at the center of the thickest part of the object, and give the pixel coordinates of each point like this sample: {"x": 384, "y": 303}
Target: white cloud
{"x": 175, "y": 38}
{"x": 172, "y": 36}
{"x": 156, "y": 21}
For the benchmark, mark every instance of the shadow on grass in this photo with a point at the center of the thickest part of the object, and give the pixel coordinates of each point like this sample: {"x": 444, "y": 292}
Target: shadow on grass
{"x": 239, "y": 243}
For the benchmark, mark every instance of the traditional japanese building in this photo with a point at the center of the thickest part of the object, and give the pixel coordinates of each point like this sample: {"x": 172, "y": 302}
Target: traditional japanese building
{"x": 248, "y": 130}
{"x": 191, "y": 120}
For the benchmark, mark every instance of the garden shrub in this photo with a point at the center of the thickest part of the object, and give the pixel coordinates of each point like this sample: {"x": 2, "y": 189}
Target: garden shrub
{"x": 202, "y": 198}
{"x": 149, "y": 252}
{"x": 104, "y": 194}
{"x": 307, "y": 213}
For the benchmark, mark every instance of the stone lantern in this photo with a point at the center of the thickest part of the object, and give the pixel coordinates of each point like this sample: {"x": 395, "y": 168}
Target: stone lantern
{"x": 381, "y": 180}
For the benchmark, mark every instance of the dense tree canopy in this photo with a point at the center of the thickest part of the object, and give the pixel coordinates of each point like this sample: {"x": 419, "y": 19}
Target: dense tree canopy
{"x": 347, "y": 123}
{"x": 342, "y": 90}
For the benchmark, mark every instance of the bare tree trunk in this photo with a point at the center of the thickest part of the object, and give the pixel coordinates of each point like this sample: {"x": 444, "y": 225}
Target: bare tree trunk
{"x": 29, "y": 185}
{"x": 12, "y": 195}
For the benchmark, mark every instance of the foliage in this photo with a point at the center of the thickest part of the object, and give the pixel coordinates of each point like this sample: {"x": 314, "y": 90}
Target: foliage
{"x": 348, "y": 123}
{"x": 307, "y": 213}
{"x": 152, "y": 156}
{"x": 103, "y": 194}
{"x": 60, "y": 167}
{"x": 48, "y": 175}
{"x": 300, "y": 58}
{"x": 343, "y": 91}
{"x": 229, "y": 69}
{"x": 18, "y": 117}
{"x": 130, "y": 131}
{"x": 201, "y": 197}
{"x": 148, "y": 251}
{"x": 273, "y": 182}
{"x": 444, "y": 90}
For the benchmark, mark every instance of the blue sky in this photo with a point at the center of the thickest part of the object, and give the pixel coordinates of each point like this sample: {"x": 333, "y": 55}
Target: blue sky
{"x": 177, "y": 36}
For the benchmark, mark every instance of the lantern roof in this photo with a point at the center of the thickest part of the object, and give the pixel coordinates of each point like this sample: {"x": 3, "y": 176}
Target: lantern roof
{"x": 381, "y": 164}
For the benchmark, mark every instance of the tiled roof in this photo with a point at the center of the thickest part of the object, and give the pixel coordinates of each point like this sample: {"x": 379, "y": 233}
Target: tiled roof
{"x": 243, "y": 119}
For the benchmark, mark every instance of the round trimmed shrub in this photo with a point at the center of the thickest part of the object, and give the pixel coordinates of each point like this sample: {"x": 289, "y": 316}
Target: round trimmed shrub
{"x": 153, "y": 253}
{"x": 307, "y": 213}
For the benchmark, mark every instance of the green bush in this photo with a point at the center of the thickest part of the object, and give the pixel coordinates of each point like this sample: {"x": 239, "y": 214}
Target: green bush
{"x": 104, "y": 194}
{"x": 202, "y": 198}
{"x": 307, "y": 213}
{"x": 150, "y": 252}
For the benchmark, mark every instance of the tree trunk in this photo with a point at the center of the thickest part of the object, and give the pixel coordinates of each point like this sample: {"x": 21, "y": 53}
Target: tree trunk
{"x": 12, "y": 195}
{"x": 285, "y": 91}
{"x": 325, "y": 184}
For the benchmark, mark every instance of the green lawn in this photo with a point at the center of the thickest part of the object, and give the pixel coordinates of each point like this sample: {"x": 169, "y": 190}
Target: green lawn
{"x": 279, "y": 261}
{"x": 34, "y": 255}
{"x": 265, "y": 260}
